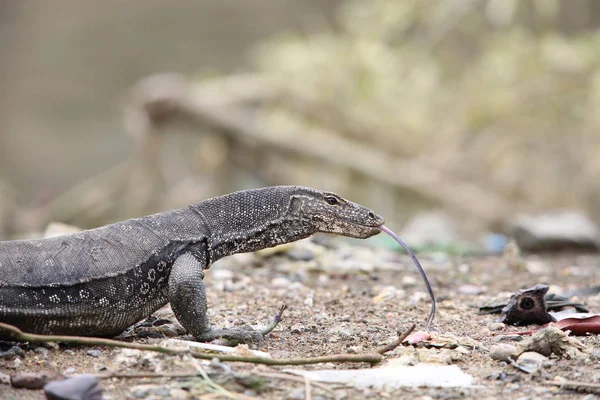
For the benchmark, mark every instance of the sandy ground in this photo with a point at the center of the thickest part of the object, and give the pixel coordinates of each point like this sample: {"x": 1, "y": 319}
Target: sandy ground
{"x": 344, "y": 299}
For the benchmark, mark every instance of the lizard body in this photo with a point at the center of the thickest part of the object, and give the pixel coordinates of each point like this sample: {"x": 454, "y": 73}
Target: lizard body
{"x": 101, "y": 281}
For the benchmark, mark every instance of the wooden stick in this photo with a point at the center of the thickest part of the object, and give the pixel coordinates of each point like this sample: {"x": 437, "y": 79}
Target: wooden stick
{"x": 16, "y": 333}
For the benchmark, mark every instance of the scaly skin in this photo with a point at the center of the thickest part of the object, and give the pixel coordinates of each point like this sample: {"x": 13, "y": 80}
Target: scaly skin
{"x": 101, "y": 281}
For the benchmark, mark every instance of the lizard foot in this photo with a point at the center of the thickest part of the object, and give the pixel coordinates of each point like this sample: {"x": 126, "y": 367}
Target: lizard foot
{"x": 246, "y": 334}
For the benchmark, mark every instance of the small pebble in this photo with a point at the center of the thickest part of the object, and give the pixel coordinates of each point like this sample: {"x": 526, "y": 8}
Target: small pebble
{"x": 418, "y": 297}
{"x": 296, "y": 394}
{"x": 42, "y": 352}
{"x": 508, "y": 338}
{"x": 496, "y": 326}
{"x": 504, "y": 352}
{"x": 69, "y": 352}
{"x": 177, "y": 393}
{"x": 143, "y": 391}
{"x": 280, "y": 282}
{"x": 472, "y": 290}
{"x": 537, "y": 267}
{"x": 221, "y": 274}
{"x": 464, "y": 269}
{"x": 139, "y": 393}
{"x": 13, "y": 352}
{"x": 409, "y": 281}
{"x": 342, "y": 332}
{"x": 533, "y": 356}
{"x": 530, "y": 361}
{"x": 94, "y": 353}
{"x": 300, "y": 254}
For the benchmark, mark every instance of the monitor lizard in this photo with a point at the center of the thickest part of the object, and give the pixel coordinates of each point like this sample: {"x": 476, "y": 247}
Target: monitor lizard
{"x": 101, "y": 281}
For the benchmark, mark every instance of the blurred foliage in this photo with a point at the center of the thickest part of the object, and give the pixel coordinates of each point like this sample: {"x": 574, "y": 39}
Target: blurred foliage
{"x": 491, "y": 91}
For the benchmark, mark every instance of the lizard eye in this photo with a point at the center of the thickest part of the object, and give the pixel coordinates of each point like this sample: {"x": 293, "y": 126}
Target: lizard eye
{"x": 332, "y": 201}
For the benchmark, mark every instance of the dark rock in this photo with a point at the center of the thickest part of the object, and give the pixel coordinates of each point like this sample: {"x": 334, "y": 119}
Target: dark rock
{"x": 14, "y": 351}
{"x": 560, "y": 230}
{"x": 81, "y": 387}
{"x": 33, "y": 380}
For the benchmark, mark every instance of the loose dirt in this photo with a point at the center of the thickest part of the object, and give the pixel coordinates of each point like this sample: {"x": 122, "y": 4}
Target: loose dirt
{"x": 345, "y": 298}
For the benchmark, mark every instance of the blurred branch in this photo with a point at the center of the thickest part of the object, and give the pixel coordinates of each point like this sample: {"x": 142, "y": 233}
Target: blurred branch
{"x": 236, "y": 122}
{"x": 256, "y": 90}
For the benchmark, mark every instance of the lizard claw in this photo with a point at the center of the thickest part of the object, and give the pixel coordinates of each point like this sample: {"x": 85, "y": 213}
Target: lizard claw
{"x": 276, "y": 320}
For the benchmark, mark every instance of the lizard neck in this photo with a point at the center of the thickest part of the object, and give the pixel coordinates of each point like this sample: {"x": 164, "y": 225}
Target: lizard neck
{"x": 258, "y": 237}
{"x": 250, "y": 220}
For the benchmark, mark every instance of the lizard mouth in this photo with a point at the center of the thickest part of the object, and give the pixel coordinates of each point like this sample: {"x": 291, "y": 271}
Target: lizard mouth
{"x": 374, "y": 227}
{"x": 365, "y": 231}
{"x": 372, "y": 232}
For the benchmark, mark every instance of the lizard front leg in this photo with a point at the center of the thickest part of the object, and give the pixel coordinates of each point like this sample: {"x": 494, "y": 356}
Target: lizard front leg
{"x": 187, "y": 295}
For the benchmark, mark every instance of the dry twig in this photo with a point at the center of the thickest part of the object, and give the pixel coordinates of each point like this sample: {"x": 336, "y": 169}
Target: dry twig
{"x": 582, "y": 387}
{"x": 397, "y": 342}
{"x": 371, "y": 358}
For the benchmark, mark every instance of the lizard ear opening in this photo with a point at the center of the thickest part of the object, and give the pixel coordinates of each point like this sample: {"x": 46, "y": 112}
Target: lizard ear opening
{"x": 295, "y": 205}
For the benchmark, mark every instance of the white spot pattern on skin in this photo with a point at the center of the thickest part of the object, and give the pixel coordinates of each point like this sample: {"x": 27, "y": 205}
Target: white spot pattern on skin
{"x": 161, "y": 266}
{"x": 84, "y": 294}
{"x": 145, "y": 288}
{"x": 54, "y": 299}
{"x": 151, "y": 275}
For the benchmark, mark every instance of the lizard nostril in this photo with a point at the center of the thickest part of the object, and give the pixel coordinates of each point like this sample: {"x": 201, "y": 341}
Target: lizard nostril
{"x": 371, "y": 215}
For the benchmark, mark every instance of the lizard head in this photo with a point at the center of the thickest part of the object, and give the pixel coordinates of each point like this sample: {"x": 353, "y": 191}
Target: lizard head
{"x": 330, "y": 213}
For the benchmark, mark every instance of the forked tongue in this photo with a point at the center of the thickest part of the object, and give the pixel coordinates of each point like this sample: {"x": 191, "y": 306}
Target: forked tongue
{"x": 419, "y": 267}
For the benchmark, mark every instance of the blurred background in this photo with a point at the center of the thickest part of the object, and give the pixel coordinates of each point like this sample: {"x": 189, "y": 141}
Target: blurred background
{"x": 478, "y": 109}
